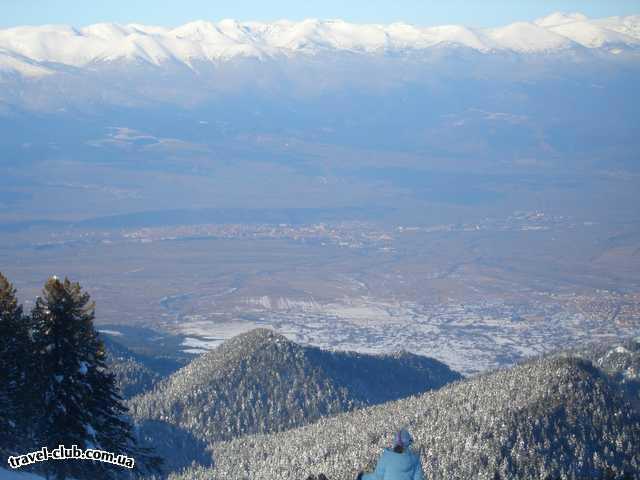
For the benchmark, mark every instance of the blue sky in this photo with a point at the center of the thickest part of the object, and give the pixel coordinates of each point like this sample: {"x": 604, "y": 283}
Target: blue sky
{"x": 421, "y": 12}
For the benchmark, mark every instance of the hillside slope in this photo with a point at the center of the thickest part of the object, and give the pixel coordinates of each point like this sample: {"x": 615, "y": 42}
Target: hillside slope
{"x": 136, "y": 373}
{"x": 550, "y": 418}
{"x": 260, "y": 382}
{"x": 621, "y": 361}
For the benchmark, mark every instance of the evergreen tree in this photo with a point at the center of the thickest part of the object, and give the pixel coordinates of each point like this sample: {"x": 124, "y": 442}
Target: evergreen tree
{"x": 13, "y": 357}
{"x": 81, "y": 404}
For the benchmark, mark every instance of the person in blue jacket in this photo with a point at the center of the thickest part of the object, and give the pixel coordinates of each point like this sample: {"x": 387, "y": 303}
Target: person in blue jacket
{"x": 399, "y": 463}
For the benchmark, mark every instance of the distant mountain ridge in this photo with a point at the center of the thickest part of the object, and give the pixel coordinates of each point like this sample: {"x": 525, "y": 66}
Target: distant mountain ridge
{"x": 260, "y": 382}
{"x": 36, "y": 51}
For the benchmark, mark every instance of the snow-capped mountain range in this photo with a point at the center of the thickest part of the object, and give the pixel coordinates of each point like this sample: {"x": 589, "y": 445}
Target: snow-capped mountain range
{"x": 33, "y": 51}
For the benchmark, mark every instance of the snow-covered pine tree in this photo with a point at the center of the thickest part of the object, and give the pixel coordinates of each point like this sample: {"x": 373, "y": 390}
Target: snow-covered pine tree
{"x": 81, "y": 403}
{"x": 13, "y": 350}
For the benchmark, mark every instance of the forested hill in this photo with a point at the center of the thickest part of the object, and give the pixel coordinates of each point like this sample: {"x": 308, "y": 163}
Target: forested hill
{"x": 546, "y": 419}
{"x": 261, "y": 382}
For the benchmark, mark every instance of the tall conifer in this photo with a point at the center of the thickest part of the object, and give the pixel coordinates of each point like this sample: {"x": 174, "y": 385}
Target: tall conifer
{"x": 13, "y": 352}
{"x": 81, "y": 404}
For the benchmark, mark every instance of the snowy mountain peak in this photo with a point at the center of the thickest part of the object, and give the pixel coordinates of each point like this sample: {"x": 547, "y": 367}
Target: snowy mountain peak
{"x": 594, "y": 35}
{"x": 560, "y": 18}
{"x": 529, "y": 37}
{"x": 33, "y": 51}
{"x": 198, "y": 29}
{"x": 107, "y": 31}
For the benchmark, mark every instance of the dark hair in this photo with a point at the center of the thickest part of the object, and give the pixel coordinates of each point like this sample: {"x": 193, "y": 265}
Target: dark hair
{"x": 398, "y": 449}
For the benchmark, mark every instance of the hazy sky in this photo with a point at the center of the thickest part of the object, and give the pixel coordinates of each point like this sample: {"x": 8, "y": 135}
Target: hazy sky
{"x": 422, "y": 12}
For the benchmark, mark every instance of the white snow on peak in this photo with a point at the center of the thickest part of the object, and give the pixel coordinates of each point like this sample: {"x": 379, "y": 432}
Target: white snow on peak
{"x": 107, "y": 31}
{"x": 529, "y": 37}
{"x": 312, "y": 35}
{"x": 38, "y": 50}
{"x": 199, "y": 31}
{"x": 458, "y": 36}
{"x": 561, "y": 18}
{"x": 626, "y": 25}
{"x": 594, "y": 35}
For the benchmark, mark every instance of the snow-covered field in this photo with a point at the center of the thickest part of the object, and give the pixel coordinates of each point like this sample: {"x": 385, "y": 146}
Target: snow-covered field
{"x": 469, "y": 337}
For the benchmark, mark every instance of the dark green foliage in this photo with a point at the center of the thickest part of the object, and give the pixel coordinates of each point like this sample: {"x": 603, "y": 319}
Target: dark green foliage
{"x": 14, "y": 344}
{"x": 81, "y": 402}
{"x": 132, "y": 378}
{"x": 132, "y": 374}
{"x": 139, "y": 368}
{"x": 72, "y": 365}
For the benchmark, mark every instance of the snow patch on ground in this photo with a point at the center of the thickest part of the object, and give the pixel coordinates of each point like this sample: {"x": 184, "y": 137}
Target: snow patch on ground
{"x": 203, "y": 335}
{"x": 114, "y": 333}
{"x": 470, "y": 338}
